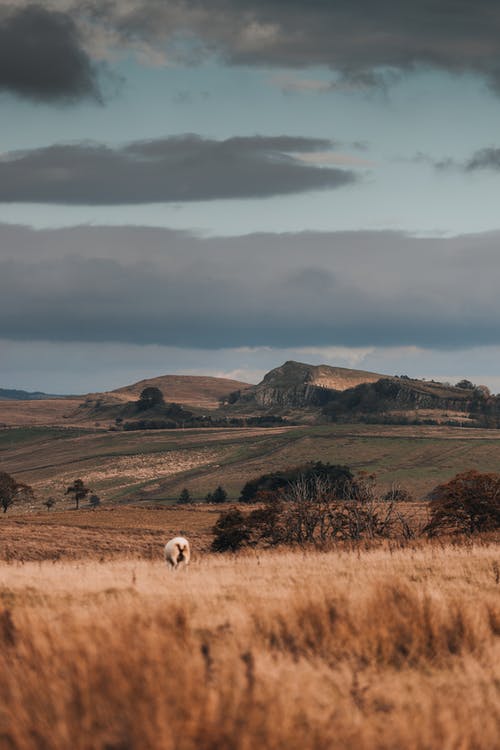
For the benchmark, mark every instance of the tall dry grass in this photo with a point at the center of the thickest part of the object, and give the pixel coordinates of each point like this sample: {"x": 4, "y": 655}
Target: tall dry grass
{"x": 375, "y": 649}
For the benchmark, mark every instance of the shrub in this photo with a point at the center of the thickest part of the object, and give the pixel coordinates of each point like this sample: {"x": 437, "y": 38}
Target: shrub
{"x": 230, "y": 531}
{"x": 94, "y": 501}
{"x": 309, "y": 512}
{"x": 468, "y": 503}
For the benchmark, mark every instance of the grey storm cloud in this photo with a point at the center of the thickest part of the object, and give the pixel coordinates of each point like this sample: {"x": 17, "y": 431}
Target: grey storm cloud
{"x": 280, "y": 290}
{"x": 42, "y": 57}
{"x": 352, "y": 37}
{"x": 483, "y": 159}
{"x": 178, "y": 168}
{"x": 363, "y": 41}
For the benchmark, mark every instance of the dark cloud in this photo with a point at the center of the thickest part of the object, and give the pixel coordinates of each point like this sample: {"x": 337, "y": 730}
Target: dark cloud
{"x": 41, "y": 56}
{"x": 352, "y": 289}
{"x": 482, "y": 159}
{"x": 357, "y": 38}
{"x": 183, "y": 168}
{"x": 485, "y": 158}
{"x": 366, "y": 43}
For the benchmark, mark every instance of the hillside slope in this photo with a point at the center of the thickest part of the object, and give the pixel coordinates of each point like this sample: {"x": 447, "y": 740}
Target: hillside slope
{"x": 198, "y": 391}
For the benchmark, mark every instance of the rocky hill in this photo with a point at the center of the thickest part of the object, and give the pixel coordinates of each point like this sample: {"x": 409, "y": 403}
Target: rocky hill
{"x": 318, "y": 392}
{"x": 298, "y": 385}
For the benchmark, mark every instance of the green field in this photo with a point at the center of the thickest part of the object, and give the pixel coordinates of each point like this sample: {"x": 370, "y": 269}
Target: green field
{"x": 155, "y": 465}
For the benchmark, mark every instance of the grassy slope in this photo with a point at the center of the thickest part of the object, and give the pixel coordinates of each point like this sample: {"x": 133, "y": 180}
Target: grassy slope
{"x": 157, "y": 464}
{"x": 189, "y": 390}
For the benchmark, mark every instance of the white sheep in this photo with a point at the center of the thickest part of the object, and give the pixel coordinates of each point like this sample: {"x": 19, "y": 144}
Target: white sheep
{"x": 177, "y": 552}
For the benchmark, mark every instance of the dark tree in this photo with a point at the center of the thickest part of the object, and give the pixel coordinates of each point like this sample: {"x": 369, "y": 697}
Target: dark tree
{"x": 149, "y": 398}
{"x": 468, "y": 503}
{"x": 184, "y": 497}
{"x": 49, "y": 503}
{"x": 10, "y": 491}
{"x": 230, "y": 532}
{"x": 219, "y": 495}
{"x": 79, "y": 490}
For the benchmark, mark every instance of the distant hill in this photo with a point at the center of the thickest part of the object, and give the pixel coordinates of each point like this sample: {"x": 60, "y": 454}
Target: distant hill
{"x": 318, "y": 392}
{"x": 196, "y": 391}
{"x": 12, "y": 394}
{"x": 296, "y": 391}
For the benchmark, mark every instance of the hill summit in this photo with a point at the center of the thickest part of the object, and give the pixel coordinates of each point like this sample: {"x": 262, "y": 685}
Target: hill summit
{"x": 296, "y": 384}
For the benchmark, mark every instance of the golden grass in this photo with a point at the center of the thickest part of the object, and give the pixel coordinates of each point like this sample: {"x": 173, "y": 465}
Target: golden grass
{"x": 363, "y": 649}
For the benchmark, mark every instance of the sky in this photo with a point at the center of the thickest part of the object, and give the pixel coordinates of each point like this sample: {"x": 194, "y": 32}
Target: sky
{"x": 217, "y": 186}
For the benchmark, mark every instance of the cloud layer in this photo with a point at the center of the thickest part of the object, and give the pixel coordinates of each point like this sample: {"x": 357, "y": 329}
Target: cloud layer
{"x": 358, "y": 39}
{"x": 353, "y": 289}
{"x": 353, "y": 37}
{"x": 42, "y": 56}
{"x": 183, "y": 168}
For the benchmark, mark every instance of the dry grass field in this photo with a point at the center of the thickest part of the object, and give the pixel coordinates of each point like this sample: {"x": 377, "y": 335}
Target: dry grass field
{"x": 385, "y": 649}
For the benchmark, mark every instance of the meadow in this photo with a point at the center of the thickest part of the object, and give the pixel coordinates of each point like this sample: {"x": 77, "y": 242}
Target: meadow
{"x": 371, "y": 646}
{"x": 384, "y": 648}
{"x": 155, "y": 465}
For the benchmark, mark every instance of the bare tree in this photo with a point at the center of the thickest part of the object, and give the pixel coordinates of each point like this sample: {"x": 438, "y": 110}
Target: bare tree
{"x": 11, "y": 490}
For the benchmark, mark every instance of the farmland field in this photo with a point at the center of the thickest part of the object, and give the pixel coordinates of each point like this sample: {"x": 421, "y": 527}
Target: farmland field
{"x": 366, "y": 649}
{"x": 156, "y": 465}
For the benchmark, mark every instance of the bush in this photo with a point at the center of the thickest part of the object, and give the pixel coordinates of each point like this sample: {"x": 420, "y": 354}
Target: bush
{"x": 468, "y": 503}
{"x": 230, "y": 532}
{"x": 309, "y": 512}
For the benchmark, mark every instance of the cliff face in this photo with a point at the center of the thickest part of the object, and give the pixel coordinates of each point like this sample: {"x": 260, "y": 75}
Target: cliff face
{"x": 297, "y": 385}
{"x": 339, "y": 390}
